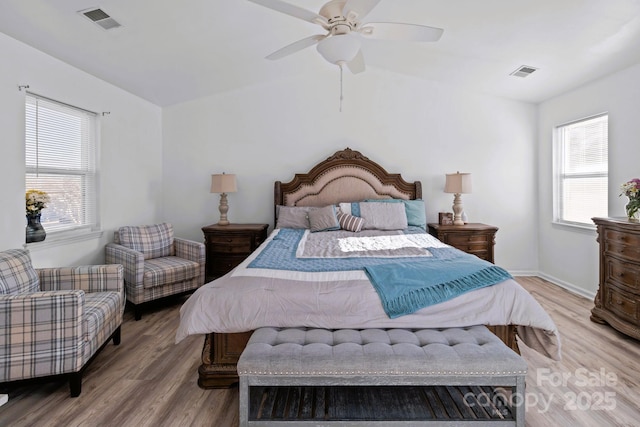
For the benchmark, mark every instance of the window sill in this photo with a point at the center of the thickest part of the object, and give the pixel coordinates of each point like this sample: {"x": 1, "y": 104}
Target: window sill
{"x": 63, "y": 239}
{"x": 572, "y": 226}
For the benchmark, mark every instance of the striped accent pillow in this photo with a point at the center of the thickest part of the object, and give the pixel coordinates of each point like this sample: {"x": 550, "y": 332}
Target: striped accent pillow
{"x": 350, "y": 222}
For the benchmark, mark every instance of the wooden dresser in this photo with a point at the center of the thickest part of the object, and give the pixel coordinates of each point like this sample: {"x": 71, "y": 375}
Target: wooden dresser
{"x": 618, "y": 299}
{"x": 473, "y": 238}
{"x": 226, "y": 247}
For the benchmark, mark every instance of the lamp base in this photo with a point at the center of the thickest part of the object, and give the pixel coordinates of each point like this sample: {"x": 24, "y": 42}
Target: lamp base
{"x": 457, "y": 210}
{"x": 223, "y": 208}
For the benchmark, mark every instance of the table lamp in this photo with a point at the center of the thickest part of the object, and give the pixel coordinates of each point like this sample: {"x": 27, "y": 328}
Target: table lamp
{"x": 223, "y": 184}
{"x": 457, "y": 183}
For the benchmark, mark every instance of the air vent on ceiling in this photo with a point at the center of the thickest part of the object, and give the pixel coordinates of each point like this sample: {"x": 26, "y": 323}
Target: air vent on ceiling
{"x": 101, "y": 18}
{"x": 524, "y": 71}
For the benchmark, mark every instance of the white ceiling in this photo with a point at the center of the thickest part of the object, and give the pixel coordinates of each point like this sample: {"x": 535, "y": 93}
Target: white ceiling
{"x": 172, "y": 51}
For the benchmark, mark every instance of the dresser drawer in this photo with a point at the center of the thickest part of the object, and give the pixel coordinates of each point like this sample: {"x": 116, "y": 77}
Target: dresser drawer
{"x": 621, "y": 303}
{"x": 623, "y": 245}
{"x": 623, "y": 274}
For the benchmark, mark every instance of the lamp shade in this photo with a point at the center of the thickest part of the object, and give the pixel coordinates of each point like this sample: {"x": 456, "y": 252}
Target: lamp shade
{"x": 339, "y": 48}
{"x": 458, "y": 183}
{"x": 223, "y": 183}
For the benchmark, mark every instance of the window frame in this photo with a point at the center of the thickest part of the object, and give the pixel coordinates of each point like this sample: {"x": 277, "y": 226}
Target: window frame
{"x": 560, "y": 176}
{"x": 88, "y": 172}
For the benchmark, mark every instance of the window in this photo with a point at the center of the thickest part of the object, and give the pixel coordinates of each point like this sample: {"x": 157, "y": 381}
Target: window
{"x": 581, "y": 171}
{"x": 60, "y": 156}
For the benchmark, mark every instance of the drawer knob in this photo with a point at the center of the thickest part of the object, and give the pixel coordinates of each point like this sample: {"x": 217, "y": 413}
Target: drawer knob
{"x": 229, "y": 240}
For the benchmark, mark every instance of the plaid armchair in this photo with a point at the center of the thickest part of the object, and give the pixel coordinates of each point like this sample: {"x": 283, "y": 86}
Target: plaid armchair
{"x": 54, "y": 320}
{"x": 156, "y": 264}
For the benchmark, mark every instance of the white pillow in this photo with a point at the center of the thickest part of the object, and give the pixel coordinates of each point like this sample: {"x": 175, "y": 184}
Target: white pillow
{"x": 383, "y": 216}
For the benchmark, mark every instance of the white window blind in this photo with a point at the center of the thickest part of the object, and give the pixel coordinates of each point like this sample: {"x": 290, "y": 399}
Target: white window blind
{"x": 60, "y": 150}
{"x": 582, "y": 170}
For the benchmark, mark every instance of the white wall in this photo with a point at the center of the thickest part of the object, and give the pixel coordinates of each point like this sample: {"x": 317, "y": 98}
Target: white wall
{"x": 130, "y": 151}
{"x": 156, "y": 164}
{"x": 570, "y": 257}
{"x": 420, "y": 129}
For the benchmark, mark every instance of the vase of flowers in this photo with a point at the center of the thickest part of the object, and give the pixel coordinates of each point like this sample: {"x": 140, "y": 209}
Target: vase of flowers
{"x": 631, "y": 189}
{"x": 35, "y": 201}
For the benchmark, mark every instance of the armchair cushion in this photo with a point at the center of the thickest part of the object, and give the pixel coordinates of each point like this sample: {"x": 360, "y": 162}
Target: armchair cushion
{"x": 167, "y": 270}
{"x": 102, "y": 314}
{"x": 153, "y": 241}
{"x": 17, "y": 275}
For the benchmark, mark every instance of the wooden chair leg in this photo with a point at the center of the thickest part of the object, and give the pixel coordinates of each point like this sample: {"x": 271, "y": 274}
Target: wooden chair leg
{"x": 137, "y": 312}
{"x": 75, "y": 384}
{"x": 116, "y": 336}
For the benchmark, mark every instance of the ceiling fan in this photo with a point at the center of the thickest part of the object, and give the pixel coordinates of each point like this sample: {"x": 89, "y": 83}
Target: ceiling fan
{"x": 342, "y": 21}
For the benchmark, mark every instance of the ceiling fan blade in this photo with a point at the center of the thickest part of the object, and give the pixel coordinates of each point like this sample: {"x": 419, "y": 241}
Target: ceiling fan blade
{"x": 358, "y": 8}
{"x": 400, "y": 31}
{"x": 292, "y": 10}
{"x": 296, "y": 46}
{"x": 357, "y": 64}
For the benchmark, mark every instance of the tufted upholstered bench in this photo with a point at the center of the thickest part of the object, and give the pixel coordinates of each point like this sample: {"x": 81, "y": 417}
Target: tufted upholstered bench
{"x": 438, "y": 364}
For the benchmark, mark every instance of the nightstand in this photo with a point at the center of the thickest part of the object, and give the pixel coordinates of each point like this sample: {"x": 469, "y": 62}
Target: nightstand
{"x": 228, "y": 245}
{"x": 473, "y": 238}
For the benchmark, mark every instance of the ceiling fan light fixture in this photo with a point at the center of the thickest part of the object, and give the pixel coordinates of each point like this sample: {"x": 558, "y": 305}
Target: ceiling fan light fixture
{"x": 339, "y": 49}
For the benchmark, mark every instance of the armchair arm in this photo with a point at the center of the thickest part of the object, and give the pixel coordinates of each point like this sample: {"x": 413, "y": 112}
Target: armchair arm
{"x": 193, "y": 251}
{"x": 89, "y": 278}
{"x": 132, "y": 261}
{"x": 48, "y": 343}
{"x": 188, "y": 249}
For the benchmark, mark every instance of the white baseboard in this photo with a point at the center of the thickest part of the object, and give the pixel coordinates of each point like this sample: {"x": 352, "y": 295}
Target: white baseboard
{"x": 565, "y": 285}
{"x": 568, "y": 286}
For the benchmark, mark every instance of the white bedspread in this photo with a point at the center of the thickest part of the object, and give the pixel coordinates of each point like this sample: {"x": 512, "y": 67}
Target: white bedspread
{"x": 249, "y": 298}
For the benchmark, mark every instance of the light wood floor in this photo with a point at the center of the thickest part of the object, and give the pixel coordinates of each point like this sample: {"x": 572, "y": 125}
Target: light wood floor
{"x": 150, "y": 381}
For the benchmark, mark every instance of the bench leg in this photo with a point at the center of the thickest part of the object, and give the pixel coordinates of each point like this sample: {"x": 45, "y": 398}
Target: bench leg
{"x": 244, "y": 401}
{"x": 519, "y": 406}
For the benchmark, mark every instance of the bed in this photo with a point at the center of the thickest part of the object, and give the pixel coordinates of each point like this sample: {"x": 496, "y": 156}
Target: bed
{"x": 265, "y": 290}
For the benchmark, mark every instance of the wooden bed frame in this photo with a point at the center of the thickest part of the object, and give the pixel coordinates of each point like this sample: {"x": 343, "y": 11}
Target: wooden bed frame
{"x": 345, "y": 176}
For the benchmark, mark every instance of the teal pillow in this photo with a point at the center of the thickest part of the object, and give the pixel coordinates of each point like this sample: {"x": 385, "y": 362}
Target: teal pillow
{"x": 415, "y": 210}
{"x": 416, "y": 214}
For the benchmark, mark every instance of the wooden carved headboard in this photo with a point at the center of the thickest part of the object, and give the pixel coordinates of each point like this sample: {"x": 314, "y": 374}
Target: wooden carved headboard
{"x": 346, "y": 176}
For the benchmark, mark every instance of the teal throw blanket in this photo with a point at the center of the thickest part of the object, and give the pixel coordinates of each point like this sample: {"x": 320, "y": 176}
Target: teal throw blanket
{"x": 406, "y": 287}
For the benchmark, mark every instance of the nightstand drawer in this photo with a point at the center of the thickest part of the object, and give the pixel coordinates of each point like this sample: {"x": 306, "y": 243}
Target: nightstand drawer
{"x": 621, "y": 303}
{"x": 474, "y": 238}
{"x": 455, "y": 239}
{"x": 222, "y": 265}
{"x": 482, "y": 253}
{"x": 234, "y": 244}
